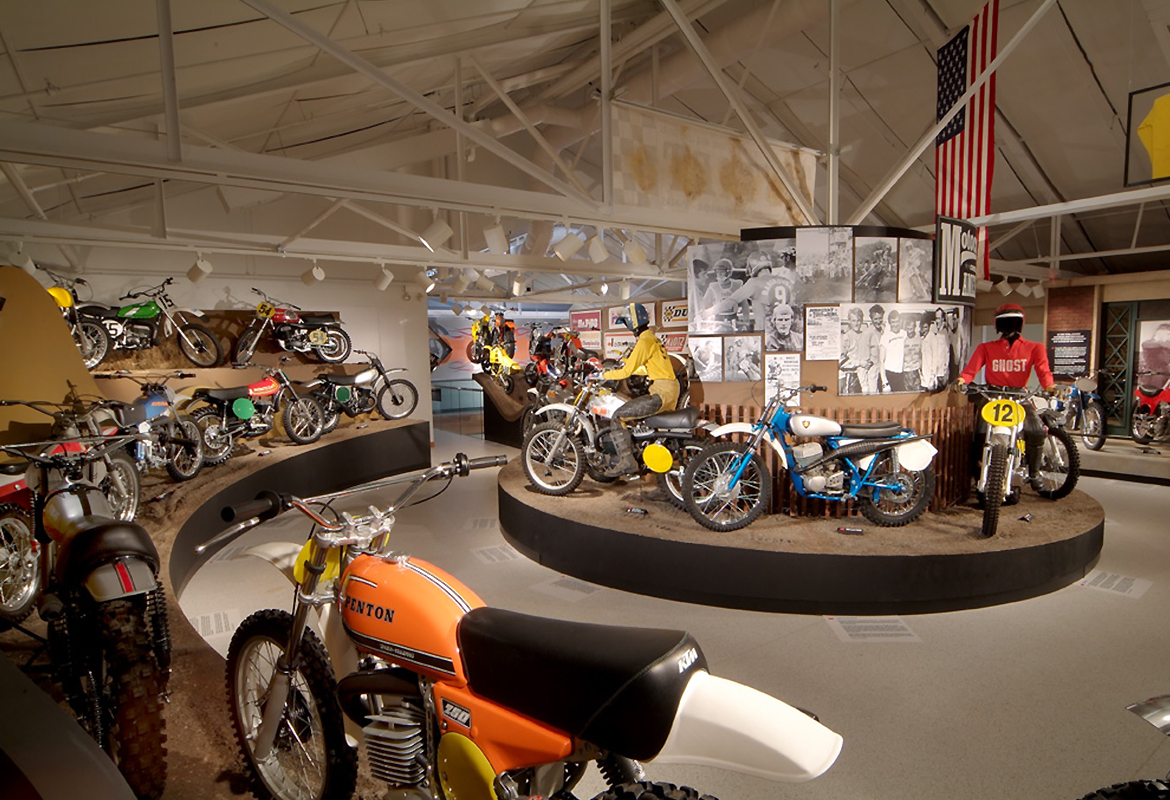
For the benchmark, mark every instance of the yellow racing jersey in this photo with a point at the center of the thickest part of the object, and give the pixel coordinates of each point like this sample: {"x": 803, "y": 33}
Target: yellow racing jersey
{"x": 649, "y": 352}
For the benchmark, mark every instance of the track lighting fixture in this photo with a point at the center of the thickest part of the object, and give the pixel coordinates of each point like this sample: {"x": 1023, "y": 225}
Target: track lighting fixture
{"x": 437, "y": 233}
{"x": 199, "y": 270}
{"x": 457, "y": 309}
{"x": 313, "y": 275}
{"x": 567, "y": 246}
{"x": 496, "y": 238}
{"x": 485, "y": 284}
{"x": 384, "y": 279}
{"x": 464, "y": 279}
{"x": 597, "y": 249}
{"x": 603, "y": 286}
{"x": 983, "y": 285}
{"x": 1004, "y": 287}
{"x": 1038, "y": 291}
{"x": 424, "y": 281}
{"x": 635, "y": 253}
{"x": 624, "y": 290}
{"x": 518, "y": 285}
{"x": 1024, "y": 290}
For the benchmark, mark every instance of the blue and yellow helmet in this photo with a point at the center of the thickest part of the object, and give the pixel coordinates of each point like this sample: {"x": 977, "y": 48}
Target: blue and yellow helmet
{"x": 635, "y": 316}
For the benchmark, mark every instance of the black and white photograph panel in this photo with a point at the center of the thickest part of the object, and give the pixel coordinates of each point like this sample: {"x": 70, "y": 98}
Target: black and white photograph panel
{"x": 706, "y": 358}
{"x": 717, "y": 273}
{"x": 770, "y": 278}
{"x": 743, "y": 358}
{"x": 896, "y": 348}
{"x": 824, "y": 265}
{"x": 784, "y": 328}
{"x": 915, "y": 270}
{"x": 875, "y": 271}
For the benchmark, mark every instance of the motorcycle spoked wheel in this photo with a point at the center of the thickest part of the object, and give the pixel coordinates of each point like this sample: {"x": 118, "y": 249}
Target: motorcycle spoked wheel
{"x": 199, "y": 345}
{"x": 20, "y": 565}
{"x": 337, "y": 346}
{"x": 245, "y": 346}
{"x": 218, "y": 442}
{"x": 310, "y": 756}
{"x": 671, "y": 483}
{"x": 93, "y": 341}
{"x": 705, "y": 487}
{"x": 603, "y": 458}
{"x": 551, "y": 474}
{"x": 645, "y": 790}
{"x": 1060, "y": 465}
{"x": 397, "y": 399}
{"x": 894, "y": 508}
{"x": 184, "y": 461}
{"x": 993, "y": 491}
{"x": 1093, "y": 426}
{"x": 332, "y": 412}
{"x": 1142, "y": 428}
{"x": 134, "y": 689}
{"x": 303, "y": 419}
{"x": 125, "y": 493}
{"x": 1133, "y": 790}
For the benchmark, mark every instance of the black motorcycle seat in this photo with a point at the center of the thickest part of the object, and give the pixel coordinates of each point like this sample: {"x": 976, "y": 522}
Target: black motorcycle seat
{"x": 318, "y": 319}
{"x": 1148, "y": 392}
{"x": 683, "y": 418}
{"x": 99, "y": 312}
{"x": 616, "y": 687}
{"x": 341, "y": 380}
{"x": 101, "y": 543}
{"x": 233, "y": 393}
{"x": 870, "y": 430}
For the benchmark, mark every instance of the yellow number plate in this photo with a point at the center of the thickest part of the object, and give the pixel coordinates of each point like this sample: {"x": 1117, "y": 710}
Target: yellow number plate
{"x": 1003, "y": 413}
{"x": 318, "y": 337}
{"x": 265, "y": 310}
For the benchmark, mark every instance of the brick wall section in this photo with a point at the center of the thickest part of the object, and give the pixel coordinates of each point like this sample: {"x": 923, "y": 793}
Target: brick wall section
{"x": 1070, "y": 308}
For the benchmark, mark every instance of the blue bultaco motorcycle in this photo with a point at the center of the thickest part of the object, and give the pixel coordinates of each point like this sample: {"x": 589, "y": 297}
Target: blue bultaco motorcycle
{"x": 885, "y": 468}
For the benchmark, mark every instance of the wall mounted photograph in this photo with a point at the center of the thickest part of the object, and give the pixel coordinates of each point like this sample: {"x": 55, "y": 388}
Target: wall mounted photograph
{"x": 707, "y": 358}
{"x": 898, "y": 348}
{"x": 742, "y": 358}
{"x": 875, "y": 271}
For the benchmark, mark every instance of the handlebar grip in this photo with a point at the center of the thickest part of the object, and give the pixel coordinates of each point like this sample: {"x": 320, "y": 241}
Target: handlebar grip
{"x": 266, "y": 506}
{"x": 818, "y": 388}
{"x": 485, "y": 462}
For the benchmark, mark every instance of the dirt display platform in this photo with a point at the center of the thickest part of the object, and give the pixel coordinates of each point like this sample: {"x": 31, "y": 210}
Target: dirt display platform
{"x": 780, "y": 563}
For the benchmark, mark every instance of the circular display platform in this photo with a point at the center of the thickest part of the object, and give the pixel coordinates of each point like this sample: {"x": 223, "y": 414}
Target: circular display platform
{"x": 805, "y": 566}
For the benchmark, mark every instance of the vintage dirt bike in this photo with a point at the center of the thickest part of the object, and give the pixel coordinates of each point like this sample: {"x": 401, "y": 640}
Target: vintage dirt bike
{"x": 1151, "y": 410}
{"x": 492, "y": 356}
{"x": 117, "y": 477}
{"x": 170, "y": 440}
{"x": 887, "y": 469}
{"x": 1003, "y": 466}
{"x": 320, "y": 333}
{"x": 91, "y": 337}
{"x": 454, "y": 699}
{"x": 138, "y": 326}
{"x": 1083, "y": 411}
{"x": 97, "y": 587}
{"x": 246, "y": 412}
{"x": 1155, "y": 711}
{"x": 363, "y": 392}
{"x": 575, "y": 439}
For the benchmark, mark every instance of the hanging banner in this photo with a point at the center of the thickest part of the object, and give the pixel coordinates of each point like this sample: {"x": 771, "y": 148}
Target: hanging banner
{"x": 956, "y": 254}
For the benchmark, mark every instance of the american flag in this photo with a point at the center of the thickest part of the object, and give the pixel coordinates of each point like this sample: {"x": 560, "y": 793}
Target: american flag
{"x": 965, "y": 149}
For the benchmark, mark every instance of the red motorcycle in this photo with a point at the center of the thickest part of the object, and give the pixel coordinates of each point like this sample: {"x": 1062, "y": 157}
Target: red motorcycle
{"x": 293, "y": 331}
{"x": 1151, "y": 409}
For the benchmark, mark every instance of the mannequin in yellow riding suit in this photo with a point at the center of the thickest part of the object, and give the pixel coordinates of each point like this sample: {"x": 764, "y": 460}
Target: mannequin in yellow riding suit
{"x": 664, "y": 388}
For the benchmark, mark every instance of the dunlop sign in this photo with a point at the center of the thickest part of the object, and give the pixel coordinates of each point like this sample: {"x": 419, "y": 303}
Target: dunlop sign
{"x": 956, "y": 252}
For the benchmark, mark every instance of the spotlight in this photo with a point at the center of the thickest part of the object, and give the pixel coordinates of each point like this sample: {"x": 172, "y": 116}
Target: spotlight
{"x": 496, "y": 238}
{"x": 1038, "y": 291}
{"x": 567, "y": 246}
{"x": 384, "y": 279}
{"x": 597, "y": 249}
{"x": 603, "y": 286}
{"x": 1004, "y": 287}
{"x": 635, "y": 254}
{"x": 424, "y": 281}
{"x": 312, "y": 275}
{"x": 1024, "y": 290}
{"x": 983, "y": 285}
{"x": 466, "y": 276}
{"x": 485, "y": 284}
{"x": 624, "y": 290}
{"x": 200, "y": 270}
{"x": 434, "y": 236}
{"x": 457, "y": 309}
{"x": 518, "y": 285}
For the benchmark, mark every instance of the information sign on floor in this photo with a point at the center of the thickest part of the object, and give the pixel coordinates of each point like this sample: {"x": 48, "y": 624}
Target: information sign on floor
{"x": 871, "y": 629}
{"x": 1114, "y": 583}
{"x": 566, "y": 588}
{"x": 496, "y": 553}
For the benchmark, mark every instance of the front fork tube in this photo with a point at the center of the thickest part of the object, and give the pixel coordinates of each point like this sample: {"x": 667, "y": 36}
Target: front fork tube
{"x": 274, "y": 709}
{"x": 752, "y": 444}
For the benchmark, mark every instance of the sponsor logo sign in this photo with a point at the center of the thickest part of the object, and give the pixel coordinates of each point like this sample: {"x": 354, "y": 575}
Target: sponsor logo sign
{"x": 955, "y": 256}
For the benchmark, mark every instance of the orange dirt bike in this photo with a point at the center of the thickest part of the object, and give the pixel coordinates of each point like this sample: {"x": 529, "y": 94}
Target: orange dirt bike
{"x": 454, "y": 699}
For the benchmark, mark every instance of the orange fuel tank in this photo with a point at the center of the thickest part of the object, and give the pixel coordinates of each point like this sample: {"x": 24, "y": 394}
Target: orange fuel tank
{"x": 406, "y": 611}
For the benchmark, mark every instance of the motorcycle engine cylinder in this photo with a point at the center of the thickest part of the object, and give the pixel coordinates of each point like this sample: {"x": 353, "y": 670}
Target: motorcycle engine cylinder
{"x": 806, "y": 454}
{"x": 396, "y": 743}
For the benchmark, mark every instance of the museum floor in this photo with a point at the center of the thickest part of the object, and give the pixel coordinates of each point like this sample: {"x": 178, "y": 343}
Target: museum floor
{"x": 1024, "y": 700}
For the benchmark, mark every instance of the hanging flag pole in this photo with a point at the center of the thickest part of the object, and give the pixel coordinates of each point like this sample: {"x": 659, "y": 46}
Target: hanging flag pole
{"x": 929, "y": 137}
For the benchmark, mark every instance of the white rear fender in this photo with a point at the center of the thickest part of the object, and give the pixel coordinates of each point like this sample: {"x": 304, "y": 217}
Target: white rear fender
{"x": 746, "y": 428}
{"x": 916, "y": 456}
{"x": 724, "y": 724}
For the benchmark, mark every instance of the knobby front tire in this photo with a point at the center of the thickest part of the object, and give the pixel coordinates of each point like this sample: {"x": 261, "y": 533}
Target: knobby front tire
{"x": 199, "y": 345}
{"x": 310, "y": 757}
{"x": 710, "y": 499}
{"x": 553, "y": 459}
{"x": 397, "y": 399}
{"x": 994, "y": 489}
{"x": 1093, "y": 426}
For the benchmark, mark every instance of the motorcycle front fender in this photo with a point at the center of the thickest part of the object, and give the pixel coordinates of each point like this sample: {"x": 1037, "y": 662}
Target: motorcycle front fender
{"x": 746, "y": 428}
{"x": 582, "y": 419}
{"x": 720, "y": 723}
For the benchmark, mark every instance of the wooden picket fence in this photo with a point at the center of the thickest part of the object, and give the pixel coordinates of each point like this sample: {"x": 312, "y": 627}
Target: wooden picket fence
{"x": 951, "y": 431}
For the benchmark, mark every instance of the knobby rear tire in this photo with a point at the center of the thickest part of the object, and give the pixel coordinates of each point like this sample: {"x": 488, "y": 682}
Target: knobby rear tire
{"x": 645, "y": 790}
{"x": 20, "y": 569}
{"x": 1060, "y": 470}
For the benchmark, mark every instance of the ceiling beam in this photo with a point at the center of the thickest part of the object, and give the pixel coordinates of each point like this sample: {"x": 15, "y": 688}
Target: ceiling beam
{"x": 166, "y": 73}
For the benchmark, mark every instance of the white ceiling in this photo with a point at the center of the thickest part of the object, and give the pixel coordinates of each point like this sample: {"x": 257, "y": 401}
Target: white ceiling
{"x": 282, "y": 125}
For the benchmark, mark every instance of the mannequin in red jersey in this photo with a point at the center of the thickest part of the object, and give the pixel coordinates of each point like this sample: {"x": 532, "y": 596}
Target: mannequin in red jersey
{"x": 1008, "y": 361}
